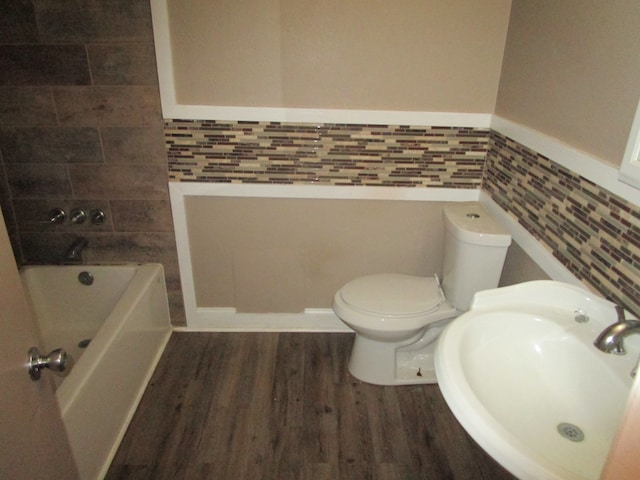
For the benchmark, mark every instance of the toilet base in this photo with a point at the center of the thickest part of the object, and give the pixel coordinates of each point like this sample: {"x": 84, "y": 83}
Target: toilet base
{"x": 410, "y": 362}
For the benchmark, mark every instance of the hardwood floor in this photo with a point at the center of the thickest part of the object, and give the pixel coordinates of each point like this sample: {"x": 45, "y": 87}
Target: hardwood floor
{"x": 283, "y": 406}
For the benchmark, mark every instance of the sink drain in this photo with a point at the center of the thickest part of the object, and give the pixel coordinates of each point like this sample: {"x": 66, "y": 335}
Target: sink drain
{"x": 570, "y": 432}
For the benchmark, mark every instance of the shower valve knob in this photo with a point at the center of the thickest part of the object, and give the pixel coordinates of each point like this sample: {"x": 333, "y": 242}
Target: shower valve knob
{"x": 56, "y": 215}
{"x": 97, "y": 217}
{"x": 78, "y": 216}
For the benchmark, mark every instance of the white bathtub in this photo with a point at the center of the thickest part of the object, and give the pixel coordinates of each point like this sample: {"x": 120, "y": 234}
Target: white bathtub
{"x": 125, "y": 315}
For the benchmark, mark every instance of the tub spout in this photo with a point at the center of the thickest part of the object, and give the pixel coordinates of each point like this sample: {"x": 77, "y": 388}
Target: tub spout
{"x": 610, "y": 339}
{"x": 75, "y": 250}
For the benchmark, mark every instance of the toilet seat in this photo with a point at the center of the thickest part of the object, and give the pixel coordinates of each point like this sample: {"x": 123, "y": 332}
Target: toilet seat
{"x": 393, "y": 295}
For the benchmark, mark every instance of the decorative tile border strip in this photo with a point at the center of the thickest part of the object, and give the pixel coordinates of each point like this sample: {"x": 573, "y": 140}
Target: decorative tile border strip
{"x": 333, "y": 154}
{"x": 593, "y": 232}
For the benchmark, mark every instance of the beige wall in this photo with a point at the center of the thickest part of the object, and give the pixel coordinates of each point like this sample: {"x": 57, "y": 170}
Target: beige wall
{"x": 571, "y": 69}
{"x": 284, "y": 255}
{"x": 520, "y": 267}
{"x": 417, "y": 55}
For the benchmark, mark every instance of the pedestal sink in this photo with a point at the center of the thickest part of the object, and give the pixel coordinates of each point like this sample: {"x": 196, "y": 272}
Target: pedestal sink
{"x": 521, "y": 374}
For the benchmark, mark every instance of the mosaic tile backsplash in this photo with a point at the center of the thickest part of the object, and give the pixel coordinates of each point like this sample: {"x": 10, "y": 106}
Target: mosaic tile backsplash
{"x": 594, "y": 233}
{"x": 335, "y": 154}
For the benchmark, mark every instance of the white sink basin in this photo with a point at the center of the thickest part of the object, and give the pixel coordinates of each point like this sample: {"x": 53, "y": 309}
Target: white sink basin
{"x": 517, "y": 369}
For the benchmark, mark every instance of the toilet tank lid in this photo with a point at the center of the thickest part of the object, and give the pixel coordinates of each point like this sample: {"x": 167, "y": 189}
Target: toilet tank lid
{"x": 393, "y": 294}
{"x": 471, "y": 223}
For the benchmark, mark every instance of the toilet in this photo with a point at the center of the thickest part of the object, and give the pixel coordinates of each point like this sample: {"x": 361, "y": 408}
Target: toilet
{"x": 398, "y": 318}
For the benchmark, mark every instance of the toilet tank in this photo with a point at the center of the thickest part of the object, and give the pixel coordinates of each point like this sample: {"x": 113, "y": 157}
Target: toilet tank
{"x": 475, "y": 247}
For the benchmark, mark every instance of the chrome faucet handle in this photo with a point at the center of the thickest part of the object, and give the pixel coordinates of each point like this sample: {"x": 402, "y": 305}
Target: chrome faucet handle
{"x": 610, "y": 340}
{"x": 55, "y": 216}
{"x": 97, "y": 216}
{"x": 78, "y": 216}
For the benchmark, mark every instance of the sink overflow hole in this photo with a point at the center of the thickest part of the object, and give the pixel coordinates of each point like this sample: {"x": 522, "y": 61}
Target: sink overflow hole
{"x": 571, "y": 432}
{"x": 84, "y": 343}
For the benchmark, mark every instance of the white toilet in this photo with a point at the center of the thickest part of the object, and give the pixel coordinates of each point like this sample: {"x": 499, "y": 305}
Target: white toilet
{"x": 398, "y": 318}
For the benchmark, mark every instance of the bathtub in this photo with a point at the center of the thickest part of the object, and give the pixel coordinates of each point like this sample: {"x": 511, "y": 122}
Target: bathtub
{"x": 115, "y": 329}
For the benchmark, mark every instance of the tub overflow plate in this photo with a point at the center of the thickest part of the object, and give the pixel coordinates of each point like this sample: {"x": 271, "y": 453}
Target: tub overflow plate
{"x": 85, "y": 278}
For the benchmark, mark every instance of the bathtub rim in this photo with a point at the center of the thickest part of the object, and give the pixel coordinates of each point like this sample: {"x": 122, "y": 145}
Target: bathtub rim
{"x": 144, "y": 276}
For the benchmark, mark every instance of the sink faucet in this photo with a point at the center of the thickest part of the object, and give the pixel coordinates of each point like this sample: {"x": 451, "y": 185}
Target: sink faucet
{"x": 610, "y": 339}
{"x": 76, "y": 248}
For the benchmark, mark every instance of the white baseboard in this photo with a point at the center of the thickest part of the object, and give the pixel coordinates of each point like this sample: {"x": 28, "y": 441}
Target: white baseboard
{"x": 228, "y": 320}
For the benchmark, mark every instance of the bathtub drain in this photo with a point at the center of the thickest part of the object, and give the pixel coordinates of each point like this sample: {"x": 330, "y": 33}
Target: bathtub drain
{"x": 571, "y": 432}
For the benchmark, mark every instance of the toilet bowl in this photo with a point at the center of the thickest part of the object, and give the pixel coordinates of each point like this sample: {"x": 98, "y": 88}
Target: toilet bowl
{"x": 398, "y": 318}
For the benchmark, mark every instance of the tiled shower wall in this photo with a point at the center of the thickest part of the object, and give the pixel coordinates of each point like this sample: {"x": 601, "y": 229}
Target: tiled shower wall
{"x": 80, "y": 127}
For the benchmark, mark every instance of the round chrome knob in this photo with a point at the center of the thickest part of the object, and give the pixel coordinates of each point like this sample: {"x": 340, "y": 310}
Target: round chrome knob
{"x": 56, "y": 215}
{"x": 97, "y": 217}
{"x": 78, "y": 216}
{"x": 57, "y": 361}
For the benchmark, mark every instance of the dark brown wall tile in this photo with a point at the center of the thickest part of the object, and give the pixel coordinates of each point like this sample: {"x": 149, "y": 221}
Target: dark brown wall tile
{"x": 27, "y": 106}
{"x": 50, "y": 145}
{"x": 6, "y": 205}
{"x": 139, "y": 248}
{"x": 134, "y": 144}
{"x": 107, "y": 105}
{"x": 44, "y": 65}
{"x": 17, "y": 22}
{"x": 115, "y": 118}
{"x": 119, "y": 181}
{"x": 130, "y": 64}
{"x": 33, "y": 215}
{"x": 38, "y": 180}
{"x": 93, "y": 21}
{"x": 176, "y": 307}
{"x": 142, "y": 215}
{"x": 45, "y": 248}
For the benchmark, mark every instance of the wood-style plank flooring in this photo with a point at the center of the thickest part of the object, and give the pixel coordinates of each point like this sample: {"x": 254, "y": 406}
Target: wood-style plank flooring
{"x": 283, "y": 406}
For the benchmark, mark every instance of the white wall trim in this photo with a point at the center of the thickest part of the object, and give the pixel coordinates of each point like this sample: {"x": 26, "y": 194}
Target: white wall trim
{"x": 223, "y": 319}
{"x": 313, "y": 320}
{"x": 630, "y": 167}
{"x": 311, "y": 115}
{"x": 327, "y": 192}
{"x": 171, "y": 109}
{"x": 591, "y": 168}
{"x": 164, "y": 57}
{"x": 585, "y": 165}
{"x": 228, "y": 320}
{"x": 579, "y": 162}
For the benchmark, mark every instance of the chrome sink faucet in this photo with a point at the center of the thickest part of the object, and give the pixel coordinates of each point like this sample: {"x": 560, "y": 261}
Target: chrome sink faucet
{"x": 610, "y": 339}
{"x": 76, "y": 248}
